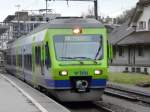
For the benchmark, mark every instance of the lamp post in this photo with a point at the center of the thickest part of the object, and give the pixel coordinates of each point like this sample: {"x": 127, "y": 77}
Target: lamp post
{"x": 96, "y": 9}
{"x": 46, "y": 6}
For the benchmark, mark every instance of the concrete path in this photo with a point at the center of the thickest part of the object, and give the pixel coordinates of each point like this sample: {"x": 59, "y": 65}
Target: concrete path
{"x": 30, "y": 99}
{"x": 11, "y": 100}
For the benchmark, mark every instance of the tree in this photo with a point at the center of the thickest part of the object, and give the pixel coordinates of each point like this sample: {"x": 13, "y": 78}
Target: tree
{"x": 125, "y": 16}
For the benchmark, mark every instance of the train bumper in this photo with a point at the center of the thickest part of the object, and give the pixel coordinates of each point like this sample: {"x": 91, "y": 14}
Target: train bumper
{"x": 66, "y": 90}
{"x": 68, "y": 96}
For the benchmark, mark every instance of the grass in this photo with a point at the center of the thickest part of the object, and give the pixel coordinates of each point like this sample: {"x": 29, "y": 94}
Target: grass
{"x": 129, "y": 78}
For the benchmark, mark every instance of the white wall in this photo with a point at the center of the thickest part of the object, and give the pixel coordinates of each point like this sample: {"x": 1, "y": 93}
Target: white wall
{"x": 145, "y": 16}
{"x": 121, "y": 59}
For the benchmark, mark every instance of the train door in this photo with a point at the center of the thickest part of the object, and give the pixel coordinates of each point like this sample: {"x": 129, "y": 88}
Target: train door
{"x": 33, "y": 62}
{"x": 42, "y": 59}
{"x": 46, "y": 61}
{"x": 23, "y": 67}
{"x": 36, "y": 63}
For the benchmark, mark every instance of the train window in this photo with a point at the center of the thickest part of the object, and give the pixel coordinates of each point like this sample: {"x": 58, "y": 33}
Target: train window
{"x": 20, "y": 60}
{"x": 14, "y": 59}
{"x": 24, "y": 61}
{"x": 47, "y": 56}
{"x": 28, "y": 61}
{"x": 37, "y": 55}
{"x": 9, "y": 60}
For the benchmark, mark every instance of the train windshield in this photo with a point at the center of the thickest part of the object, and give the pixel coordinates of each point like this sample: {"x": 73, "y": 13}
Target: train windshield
{"x": 83, "y": 47}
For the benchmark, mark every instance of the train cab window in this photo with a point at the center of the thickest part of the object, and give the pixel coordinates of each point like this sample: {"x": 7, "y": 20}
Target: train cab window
{"x": 47, "y": 56}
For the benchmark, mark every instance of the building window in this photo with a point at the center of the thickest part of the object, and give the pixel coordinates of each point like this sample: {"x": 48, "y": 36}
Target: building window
{"x": 40, "y": 18}
{"x": 33, "y": 19}
{"x": 121, "y": 51}
{"x": 141, "y": 51}
{"x": 142, "y": 25}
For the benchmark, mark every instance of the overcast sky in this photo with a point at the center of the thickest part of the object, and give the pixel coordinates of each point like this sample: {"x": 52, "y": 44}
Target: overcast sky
{"x": 106, "y": 7}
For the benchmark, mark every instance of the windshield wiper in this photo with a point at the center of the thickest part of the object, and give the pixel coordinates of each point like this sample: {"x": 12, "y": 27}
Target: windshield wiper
{"x": 66, "y": 57}
{"x": 76, "y": 58}
{"x": 98, "y": 51}
{"x": 88, "y": 59}
{"x": 81, "y": 58}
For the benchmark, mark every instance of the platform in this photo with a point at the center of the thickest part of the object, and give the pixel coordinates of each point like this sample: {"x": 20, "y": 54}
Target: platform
{"x": 16, "y": 96}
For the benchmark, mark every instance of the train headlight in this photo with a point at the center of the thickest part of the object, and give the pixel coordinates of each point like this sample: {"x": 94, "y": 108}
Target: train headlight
{"x": 77, "y": 31}
{"x": 97, "y": 72}
{"x": 63, "y": 73}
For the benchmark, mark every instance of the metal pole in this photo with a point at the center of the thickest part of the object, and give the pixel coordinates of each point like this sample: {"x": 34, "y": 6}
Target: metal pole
{"x": 46, "y": 7}
{"x": 96, "y": 9}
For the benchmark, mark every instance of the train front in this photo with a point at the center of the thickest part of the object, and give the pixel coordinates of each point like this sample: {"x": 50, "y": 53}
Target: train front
{"x": 79, "y": 64}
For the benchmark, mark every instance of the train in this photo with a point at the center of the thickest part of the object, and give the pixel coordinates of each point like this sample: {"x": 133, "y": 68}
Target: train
{"x": 67, "y": 57}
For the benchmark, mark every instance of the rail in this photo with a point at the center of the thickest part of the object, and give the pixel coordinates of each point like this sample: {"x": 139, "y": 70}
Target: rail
{"x": 132, "y": 95}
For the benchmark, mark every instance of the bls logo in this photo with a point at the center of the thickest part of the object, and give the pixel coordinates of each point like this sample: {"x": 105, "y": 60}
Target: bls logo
{"x": 82, "y": 73}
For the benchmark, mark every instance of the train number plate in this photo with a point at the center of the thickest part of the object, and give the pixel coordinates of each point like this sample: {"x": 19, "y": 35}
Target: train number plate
{"x": 81, "y": 73}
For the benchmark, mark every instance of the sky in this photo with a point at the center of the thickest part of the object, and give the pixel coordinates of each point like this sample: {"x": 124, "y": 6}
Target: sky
{"x": 110, "y": 8}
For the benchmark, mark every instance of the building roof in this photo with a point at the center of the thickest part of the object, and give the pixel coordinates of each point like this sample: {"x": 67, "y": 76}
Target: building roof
{"x": 120, "y": 33}
{"x": 139, "y": 10}
{"x": 136, "y": 38}
{"x": 9, "y": 18}
{"x": 144, "y": 2}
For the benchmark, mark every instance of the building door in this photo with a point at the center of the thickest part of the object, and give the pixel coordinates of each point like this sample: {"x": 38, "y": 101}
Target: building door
{"x": 131, "y": 55}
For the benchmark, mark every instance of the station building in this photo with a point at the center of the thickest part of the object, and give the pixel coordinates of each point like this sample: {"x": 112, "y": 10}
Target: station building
{"x": 23, "y": 22}
{"x": 131, "y": 42}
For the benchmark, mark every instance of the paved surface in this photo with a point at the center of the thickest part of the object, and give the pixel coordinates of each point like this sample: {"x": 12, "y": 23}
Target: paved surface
{"x": 12, "y": 99}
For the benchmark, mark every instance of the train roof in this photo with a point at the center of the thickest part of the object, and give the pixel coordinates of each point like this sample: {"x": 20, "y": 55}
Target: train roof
{"x": 75, "y": 22}
{"x": 64, "y": 23}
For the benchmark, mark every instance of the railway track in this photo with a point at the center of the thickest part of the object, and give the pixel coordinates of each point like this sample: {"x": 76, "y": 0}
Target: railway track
{"x": 102, "y": 107}
{"x": 132, "y": 95}
{"x": 86, "y": 107}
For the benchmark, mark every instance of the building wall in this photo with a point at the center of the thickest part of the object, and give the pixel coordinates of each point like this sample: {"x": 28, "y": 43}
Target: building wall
{"x": 145, "y": 59}
{"x": 120, "y": 59}
{"x": 123, "y": 69}
{"x": 124, "y": 60}
{"x": 145, "y": 16}
{"x": 121, "y": 64}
